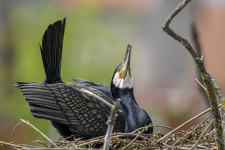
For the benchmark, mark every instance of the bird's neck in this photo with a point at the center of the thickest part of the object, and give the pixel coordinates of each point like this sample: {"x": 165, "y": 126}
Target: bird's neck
{"x": 136, "y": 116}
{"x": 126, "y": 95}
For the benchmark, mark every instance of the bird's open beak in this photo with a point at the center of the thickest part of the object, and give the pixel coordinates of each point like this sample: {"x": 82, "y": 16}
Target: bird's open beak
{"x": 126, "y": 65}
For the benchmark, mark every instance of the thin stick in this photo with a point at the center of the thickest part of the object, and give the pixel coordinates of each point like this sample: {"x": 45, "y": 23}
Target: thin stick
{"x": 163, "y": 126}
{"x": 210, "y": 83}
{"x": 116, "y": 135}
{"x": 195, "y": 117}
{"x": 99, "y": 98}
{"x": 43, "y": 143}
{"x": 13, "y": 131}
{"x": 211, "y": 132}
{"x": 186, "y": 140}
{"x": 129, "y": 134}
{"x": 149, "y": 126}
{"x": 167, "y": 145}
{"x": 39, "y": 132}
{"x": 202, "y": 134}
{"x": 111, "y": 122}
{"x": 68, "y": 137}
{"x": 193, "y": 129}
{"x": 134, "y": 139}
{"x": 201, "y": 84}
{"x": 11, "y": 145}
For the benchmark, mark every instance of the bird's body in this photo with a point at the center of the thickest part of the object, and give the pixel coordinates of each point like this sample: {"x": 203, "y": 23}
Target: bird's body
{"x": 73, "y": 111}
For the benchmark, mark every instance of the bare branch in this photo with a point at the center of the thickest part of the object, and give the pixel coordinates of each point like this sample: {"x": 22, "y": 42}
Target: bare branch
{"x": 209, "y": 82}
{"x": 111, "y": 122}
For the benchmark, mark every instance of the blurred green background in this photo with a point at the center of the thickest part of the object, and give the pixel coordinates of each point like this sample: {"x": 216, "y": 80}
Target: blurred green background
{"x": 96, "y": 36}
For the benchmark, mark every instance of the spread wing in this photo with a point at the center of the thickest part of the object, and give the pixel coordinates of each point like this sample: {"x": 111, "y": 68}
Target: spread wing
{"x": 101, "y": 87}
{"x": 66, "y": 104}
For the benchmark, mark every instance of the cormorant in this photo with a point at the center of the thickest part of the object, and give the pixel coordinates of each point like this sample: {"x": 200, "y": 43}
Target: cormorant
{"x": 73, "y": 111}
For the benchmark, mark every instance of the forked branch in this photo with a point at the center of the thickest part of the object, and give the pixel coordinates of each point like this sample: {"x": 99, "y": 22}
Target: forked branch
{"x": 210, "y": 83}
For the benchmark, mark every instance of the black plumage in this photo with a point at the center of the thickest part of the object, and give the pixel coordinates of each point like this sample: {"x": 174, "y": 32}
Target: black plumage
{"x": 67, "y": 104}
{"x": 73, "y": 111}
{"x": 51, "y": 51}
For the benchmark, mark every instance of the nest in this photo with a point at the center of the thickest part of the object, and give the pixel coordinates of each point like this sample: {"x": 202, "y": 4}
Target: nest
{"x": 199, "y": 136}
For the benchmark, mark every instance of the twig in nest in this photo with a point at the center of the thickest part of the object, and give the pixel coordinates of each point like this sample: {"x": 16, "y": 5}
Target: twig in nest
{"x": 167, "y": 145}
{"x": 39, "y": 132}
{"x": 128, "y": 134}
{"x": 202, "y": 134}
{"x": 134, "y": 139}
{"x": 13, "y": 131}
{"x": 71, "y": 145}
{"x": 68, "y": 137}
{"x": 42, "y": 143}
{"x": 111, "y": 122}
{"x": 210, "y": 83}
{"x": 211, "y": 133}
{"x": 11, "y": 145}
{"x": 195, "y": 117}
{"x": 164, "y": 126}
{"x": 193, "y": 129}
{"x": 146, "y": 127}
{"x": 27, "y": 146}
{"x": 115, "y": 135}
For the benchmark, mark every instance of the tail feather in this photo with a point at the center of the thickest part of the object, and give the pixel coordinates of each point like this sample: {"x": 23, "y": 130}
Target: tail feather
{"x": 51, "y": 51}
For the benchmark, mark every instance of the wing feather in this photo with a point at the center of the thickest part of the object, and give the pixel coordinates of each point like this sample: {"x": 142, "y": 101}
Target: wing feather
{"x": 97, "y": 86}
{"x": 84, "y": 114}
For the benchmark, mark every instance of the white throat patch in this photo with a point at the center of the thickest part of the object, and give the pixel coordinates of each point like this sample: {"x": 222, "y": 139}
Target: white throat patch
{"x": 123, "y": 83}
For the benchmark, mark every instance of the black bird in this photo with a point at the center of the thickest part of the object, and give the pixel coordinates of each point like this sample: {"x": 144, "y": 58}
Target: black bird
{"x": 73, "y": 111}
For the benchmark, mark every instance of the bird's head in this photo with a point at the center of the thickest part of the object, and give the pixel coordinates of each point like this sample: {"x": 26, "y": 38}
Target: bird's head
{"x": 122, "y": 78}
